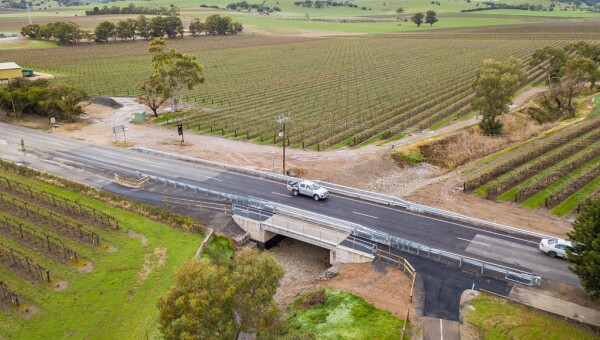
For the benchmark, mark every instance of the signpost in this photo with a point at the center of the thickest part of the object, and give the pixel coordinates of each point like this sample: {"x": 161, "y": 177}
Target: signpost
{"x": 119, "y": 129}
{"x": 180, "y": 131}
{"x": 53, "y": 123}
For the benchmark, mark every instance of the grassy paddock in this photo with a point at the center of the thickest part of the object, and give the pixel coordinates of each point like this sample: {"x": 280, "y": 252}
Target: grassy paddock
{"x": 496, "y": 318}
{"x": 120, "y": 291}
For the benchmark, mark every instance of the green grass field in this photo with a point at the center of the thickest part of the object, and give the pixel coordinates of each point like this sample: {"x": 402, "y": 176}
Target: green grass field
{"x": 495, "y": 318}
{"x": 332, "y": 314}
{"x": 117, "y": 298}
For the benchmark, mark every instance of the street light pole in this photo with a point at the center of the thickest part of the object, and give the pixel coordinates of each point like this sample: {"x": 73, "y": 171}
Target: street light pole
{"x": 282, "y": 120}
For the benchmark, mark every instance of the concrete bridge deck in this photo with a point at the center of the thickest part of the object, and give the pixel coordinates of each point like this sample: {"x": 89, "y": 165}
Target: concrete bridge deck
{"x": 343, "y": 247}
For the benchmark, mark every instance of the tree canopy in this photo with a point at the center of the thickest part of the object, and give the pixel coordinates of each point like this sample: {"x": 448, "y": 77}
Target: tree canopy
{"x": 154, "y": 92}
{"x": 417, "y": 19}
{"x": 495, "y": 84}
{"x": 179, "y": 70}
{"x": 431, "y": 18}
{"x": 586, "y": 242}
{"x": 42, "y": 98}
{"x": 222, "y": 300}
{"x": 568, "y": 70}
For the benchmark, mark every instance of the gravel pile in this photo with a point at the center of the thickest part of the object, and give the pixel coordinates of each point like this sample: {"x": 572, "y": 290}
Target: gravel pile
{"x": 303, "y": 264}
{"x": 404, "y": 181}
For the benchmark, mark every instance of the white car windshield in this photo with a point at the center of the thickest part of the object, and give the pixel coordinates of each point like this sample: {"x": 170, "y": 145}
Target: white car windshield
{"x": 316, "y": 187}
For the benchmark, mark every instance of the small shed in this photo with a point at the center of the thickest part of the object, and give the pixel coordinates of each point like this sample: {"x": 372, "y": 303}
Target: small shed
{"x": 138, "y": 116}
{"x": 10, "y": 70}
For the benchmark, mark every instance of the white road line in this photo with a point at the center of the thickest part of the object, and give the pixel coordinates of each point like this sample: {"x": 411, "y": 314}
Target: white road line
{"x": 441, "y": 331}
{"x": 481, "y": 229}
{"x": 375, "y": 217}
{"x": 215, "y": 179}
{"x": 464, "y": 239}
{"x": 276, "y": 193}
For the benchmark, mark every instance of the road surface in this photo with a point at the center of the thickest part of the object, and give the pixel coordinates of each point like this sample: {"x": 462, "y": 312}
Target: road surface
{"x": 95, "y": 164}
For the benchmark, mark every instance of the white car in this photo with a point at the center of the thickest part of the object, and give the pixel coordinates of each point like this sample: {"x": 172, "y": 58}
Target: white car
{"x": 554, "y": 247}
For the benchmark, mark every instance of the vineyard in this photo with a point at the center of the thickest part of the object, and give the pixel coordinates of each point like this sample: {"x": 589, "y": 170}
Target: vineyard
{"x": 67, "y": 266}
{"x": 338, "y": 91}
{"x": 557, "y": 171}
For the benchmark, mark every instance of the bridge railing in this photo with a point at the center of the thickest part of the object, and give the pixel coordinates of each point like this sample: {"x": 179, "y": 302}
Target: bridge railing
{"x": 358, "y": 230}
{"x": 461, "y": 261}
{"x": 353, "y": 192}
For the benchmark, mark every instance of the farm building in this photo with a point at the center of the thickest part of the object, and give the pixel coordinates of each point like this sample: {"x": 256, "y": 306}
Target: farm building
{"x": 10, "y": 70}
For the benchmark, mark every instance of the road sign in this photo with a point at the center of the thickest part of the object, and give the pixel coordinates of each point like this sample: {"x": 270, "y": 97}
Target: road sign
{"x": 118, "y": 128}
{"x": 53, "y": 120}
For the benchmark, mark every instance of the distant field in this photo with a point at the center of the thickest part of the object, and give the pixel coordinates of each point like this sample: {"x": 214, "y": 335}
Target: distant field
{"x": 104, "y": 282}
{"x": 339, "y": 91}
{"x": 556, "y": 171}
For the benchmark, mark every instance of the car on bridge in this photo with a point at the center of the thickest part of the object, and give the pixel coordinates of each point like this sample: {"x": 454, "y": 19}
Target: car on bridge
{"x": 554, "y": 247}
{"x": 307, "y": 188}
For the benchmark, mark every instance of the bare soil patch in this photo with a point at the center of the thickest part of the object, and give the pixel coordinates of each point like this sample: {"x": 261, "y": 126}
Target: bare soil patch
{"x": 388, "y": 289}
{"x": 303, "y": 263}
{"x": 141, "y": 237}
{"x": 152, "y": 261}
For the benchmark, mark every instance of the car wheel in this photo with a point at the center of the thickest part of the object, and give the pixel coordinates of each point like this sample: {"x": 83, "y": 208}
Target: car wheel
{"x": 316, "y": 197}
{"x": 551, "y": 253}
{"x": 295, "y": 192}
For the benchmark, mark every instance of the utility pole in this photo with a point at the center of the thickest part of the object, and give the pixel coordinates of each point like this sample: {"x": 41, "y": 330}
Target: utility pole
{"x": 282, "y": 120}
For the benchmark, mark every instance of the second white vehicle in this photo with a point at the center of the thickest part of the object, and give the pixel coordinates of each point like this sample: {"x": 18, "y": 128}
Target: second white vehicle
{"x": 554, "y": 247}
{"x": 307, "y": 188}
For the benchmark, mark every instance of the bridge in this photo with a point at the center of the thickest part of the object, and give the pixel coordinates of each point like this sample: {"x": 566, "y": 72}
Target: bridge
{"x": 263, "y": 226}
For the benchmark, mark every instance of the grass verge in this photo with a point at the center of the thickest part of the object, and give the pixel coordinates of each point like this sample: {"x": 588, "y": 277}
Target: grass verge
{"x": 496, "y": 318}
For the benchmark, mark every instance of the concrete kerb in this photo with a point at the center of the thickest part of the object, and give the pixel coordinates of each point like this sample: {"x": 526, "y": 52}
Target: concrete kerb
{"x": 356, "y": 193}
{"x": 207, "y": 239}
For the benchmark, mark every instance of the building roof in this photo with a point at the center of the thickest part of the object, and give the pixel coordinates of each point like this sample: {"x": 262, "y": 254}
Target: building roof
{"x": 9, "y": 66}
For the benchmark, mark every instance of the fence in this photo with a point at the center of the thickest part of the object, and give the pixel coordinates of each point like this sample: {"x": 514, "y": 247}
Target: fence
{"x": 202, "y": 205}
{"x": 57, "y": 222}
{"x": 8, "y": 295}
{"x": 12, "y": 257}
{"x": 49, "y": 199}
{"x": 129, "y": 182}
{"x": 33, "y": 238}
{"x": 408, "y": 269}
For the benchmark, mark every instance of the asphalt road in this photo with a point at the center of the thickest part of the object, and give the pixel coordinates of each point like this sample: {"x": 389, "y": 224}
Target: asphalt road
{"x": 81, "y": 161}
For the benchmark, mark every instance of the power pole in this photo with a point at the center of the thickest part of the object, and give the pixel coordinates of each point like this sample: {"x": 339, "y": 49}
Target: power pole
{"x": 282, "y": 120}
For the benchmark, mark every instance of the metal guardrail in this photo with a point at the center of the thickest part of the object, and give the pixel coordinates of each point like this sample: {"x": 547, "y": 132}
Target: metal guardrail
{"x": 357, "y": 193}
{"x": 461, "y": 261}
{"x": 357, "y": 230}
